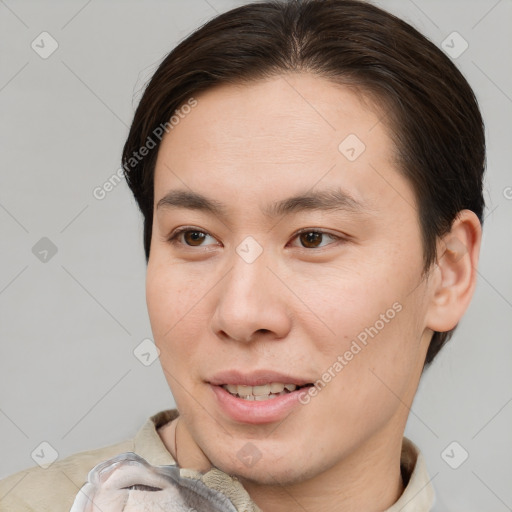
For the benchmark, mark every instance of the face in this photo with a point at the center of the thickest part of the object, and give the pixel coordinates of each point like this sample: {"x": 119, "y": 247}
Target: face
{"x": 253, "y": 294}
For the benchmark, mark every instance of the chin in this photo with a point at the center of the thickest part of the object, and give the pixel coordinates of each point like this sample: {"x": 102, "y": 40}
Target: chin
{"x": 272, "y": 473}
{"x": 263, "y": 463}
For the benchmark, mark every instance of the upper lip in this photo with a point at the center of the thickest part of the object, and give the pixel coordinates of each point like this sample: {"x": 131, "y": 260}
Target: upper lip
{"x": 255, "y": 378}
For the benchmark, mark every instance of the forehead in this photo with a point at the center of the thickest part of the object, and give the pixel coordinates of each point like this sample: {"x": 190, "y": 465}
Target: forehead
{"x": 293, "y": 131}
{"x": 301, "y": 109}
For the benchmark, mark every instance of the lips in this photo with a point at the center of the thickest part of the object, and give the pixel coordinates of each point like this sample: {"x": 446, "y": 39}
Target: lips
{"x": 256, "y": 397}
{"x": 256, "y": 378}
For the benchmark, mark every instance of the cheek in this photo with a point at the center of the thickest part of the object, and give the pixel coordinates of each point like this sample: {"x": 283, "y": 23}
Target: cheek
{"x": 359, "y": 300}
{"x": 173, "y": 297}
{"x": 374, "y": 319}
{"x": 174, "y": 307}
{"x": 374, "y": 363}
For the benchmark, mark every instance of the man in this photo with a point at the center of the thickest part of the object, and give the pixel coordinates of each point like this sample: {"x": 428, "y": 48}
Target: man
{"x": 310, "y": 176}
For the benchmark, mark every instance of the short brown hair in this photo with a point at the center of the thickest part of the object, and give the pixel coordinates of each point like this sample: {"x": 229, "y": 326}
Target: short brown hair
{"x": 431, "y": 110}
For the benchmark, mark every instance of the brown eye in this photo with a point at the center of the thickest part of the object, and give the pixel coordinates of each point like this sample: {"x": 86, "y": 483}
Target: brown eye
{"x": 311, "y": 239}
{"x": 193, "y": 238}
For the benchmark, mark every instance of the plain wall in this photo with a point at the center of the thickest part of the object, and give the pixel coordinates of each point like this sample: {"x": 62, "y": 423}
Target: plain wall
{"x": 69, "y": 326}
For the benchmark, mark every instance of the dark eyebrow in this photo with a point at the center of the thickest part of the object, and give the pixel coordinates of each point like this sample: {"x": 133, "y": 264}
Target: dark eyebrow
{"x": 323, "y": 200}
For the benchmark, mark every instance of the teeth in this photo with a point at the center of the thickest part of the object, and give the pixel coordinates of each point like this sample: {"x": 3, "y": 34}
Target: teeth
{"x": 276, "y": 387}
{"x": 261, "y": 390}
{"x": 259, "y": 393}
{"x": 264, "y": 397}
{"x": 245, "y": 390}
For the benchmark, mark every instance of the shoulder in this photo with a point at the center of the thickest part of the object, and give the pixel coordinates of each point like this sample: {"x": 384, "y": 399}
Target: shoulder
{"x": 54, "y": 488}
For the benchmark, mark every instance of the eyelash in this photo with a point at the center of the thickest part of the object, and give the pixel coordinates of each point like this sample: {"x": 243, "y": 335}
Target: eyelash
{"x": 173, "y": 238}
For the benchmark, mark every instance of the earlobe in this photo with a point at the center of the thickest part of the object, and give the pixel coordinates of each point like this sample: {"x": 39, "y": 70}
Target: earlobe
{"x": 457, "y": 261}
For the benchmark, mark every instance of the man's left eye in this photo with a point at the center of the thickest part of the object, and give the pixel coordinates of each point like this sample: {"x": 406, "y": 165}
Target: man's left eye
{"x": 310, "y": 238}
{"x": 142, "y": 487}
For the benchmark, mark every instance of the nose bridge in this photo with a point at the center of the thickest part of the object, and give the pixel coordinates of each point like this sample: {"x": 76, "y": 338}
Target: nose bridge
{"x": 248, "y": 281}
{"x": 249, "y": 299}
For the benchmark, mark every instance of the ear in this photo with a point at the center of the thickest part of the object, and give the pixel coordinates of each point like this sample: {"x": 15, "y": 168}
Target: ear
{"x": 456, "y": 272}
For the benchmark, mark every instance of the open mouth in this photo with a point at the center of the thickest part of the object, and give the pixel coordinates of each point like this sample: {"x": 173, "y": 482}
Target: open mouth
{"x": 263, "y": 392}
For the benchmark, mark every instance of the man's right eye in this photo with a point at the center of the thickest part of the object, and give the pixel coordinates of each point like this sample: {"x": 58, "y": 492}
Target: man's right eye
{"x": 198, "y": 236}
{"x": 142, "y": 487}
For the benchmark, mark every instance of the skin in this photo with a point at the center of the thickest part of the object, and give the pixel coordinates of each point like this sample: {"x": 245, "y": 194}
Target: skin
{"x": 299, "y": 304}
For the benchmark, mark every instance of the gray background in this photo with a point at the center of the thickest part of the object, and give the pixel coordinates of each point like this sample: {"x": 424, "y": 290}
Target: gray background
{"x": 69, "y": 326}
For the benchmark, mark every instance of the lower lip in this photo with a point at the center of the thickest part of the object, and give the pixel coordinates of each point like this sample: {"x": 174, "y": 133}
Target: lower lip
{"x": 256, "y": 412}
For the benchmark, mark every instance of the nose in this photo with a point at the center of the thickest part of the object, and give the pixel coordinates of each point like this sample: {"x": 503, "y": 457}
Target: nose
{"x": 252, "y": 302}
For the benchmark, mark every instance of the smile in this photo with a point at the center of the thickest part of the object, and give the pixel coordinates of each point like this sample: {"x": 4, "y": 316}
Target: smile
{"x": 262, "y": 392}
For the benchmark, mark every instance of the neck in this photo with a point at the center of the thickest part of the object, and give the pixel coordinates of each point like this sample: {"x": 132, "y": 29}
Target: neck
{"x": 368, "y": 479}
{"x": 189, "y": 455}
